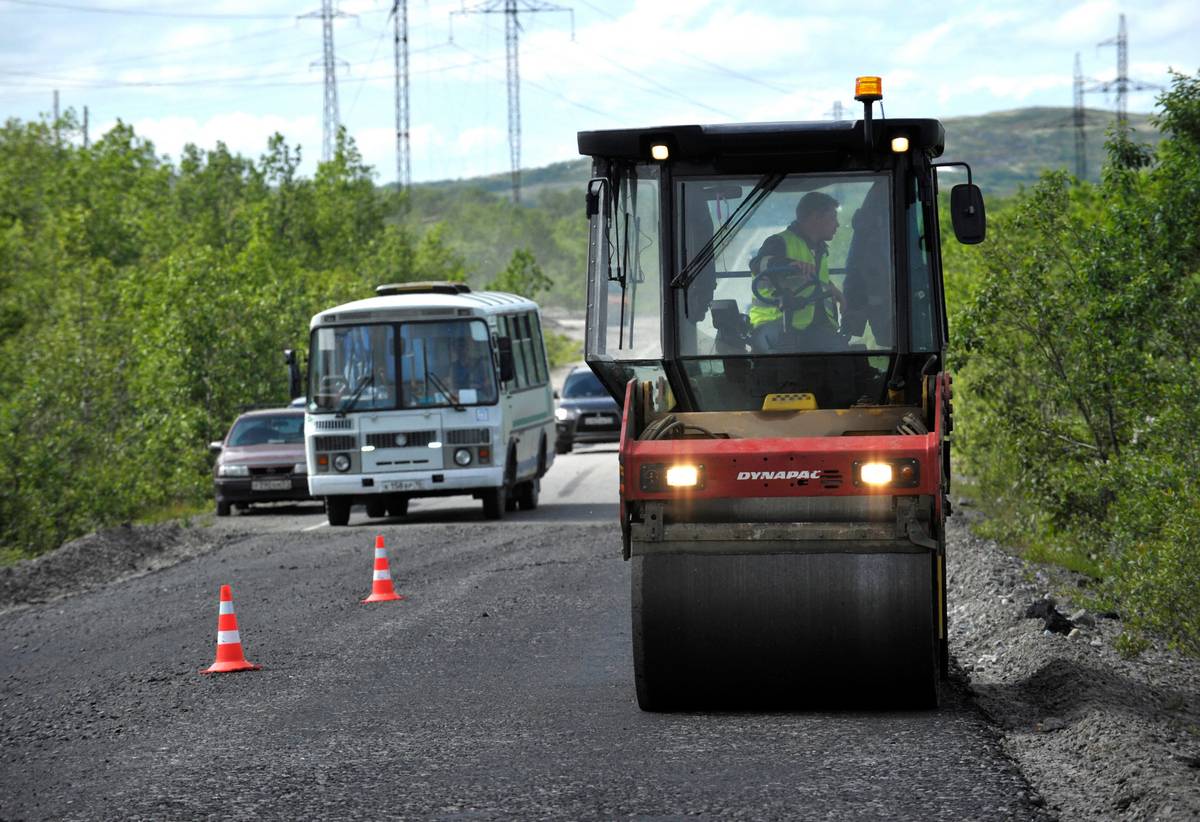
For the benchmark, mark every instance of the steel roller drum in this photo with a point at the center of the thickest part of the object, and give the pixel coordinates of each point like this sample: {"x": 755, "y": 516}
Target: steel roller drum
{"x": 785, "y": 630}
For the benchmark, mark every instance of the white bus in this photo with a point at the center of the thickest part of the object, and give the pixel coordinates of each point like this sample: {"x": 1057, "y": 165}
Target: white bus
{"x": 428, "y": 389}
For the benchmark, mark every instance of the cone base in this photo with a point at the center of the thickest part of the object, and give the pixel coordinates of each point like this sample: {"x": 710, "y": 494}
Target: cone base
{"x": 383, "y": 597}
{"x": 231, "y": 667}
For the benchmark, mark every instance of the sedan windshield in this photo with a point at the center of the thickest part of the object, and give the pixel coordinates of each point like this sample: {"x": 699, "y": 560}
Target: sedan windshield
{"x": 281, "y": 429}
{"x": 583, "y": 384}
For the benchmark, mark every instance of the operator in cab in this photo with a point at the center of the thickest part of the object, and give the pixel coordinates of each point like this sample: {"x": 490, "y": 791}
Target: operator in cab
{"x": 795, "y": 305}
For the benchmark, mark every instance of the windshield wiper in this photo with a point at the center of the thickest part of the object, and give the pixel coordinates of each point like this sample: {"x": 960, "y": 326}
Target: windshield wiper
{"x": 441, "y": 386}
{"x": 722, "y": 235}
{"x": 348, "y": 403}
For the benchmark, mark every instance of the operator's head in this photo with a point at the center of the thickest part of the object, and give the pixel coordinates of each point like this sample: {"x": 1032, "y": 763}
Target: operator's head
{"x": 816, "y": 215}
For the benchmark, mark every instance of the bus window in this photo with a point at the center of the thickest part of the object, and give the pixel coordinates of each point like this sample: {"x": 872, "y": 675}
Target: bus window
{"x": 354, "y": 359}
{"x": 444, "y": 361}
{"x": 539, "y": 349}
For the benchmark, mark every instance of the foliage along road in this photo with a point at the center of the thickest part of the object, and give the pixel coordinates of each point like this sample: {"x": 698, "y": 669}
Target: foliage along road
{"x": 500, "y": 688}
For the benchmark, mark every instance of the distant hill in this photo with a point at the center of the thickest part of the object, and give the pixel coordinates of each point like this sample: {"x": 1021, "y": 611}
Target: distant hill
{"x": 1010, "y": 149}
{"x": 1006, "y": 150}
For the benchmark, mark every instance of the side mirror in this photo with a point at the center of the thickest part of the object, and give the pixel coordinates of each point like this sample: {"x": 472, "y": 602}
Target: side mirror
{"x": 556, "y": 394}
{"x": 215, "y": 446}
{"x": 508, "y": 366}
{"x": 967, "y": 213}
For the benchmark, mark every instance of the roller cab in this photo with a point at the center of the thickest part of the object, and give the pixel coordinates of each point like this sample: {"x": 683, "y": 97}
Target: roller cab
{"x": 766, "y": 302}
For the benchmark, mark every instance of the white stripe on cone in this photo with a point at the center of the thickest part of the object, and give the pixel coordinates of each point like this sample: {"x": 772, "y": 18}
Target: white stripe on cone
{"x": 382, "y": 575}
{"x": 227, "y": 637}
{"x": 226, "y": 608}
{"x": 380, "y": 553}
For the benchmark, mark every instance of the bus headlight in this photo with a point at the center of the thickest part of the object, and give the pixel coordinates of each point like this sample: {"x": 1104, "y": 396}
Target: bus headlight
{"x": 462, "y": 456}
{"x": 233, "y": 471}
{"x": 341, "y": 462}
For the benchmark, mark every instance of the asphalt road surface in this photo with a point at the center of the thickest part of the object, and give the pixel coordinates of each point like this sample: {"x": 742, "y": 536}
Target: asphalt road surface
{"x": 501, "y": 687}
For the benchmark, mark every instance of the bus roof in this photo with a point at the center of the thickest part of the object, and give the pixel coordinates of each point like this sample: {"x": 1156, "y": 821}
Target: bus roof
{"x": 409, "y": 306}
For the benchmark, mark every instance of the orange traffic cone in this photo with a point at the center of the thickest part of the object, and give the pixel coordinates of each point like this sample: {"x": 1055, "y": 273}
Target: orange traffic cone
{"x": 229, "y": 644}
{"x": 381, "y": 584}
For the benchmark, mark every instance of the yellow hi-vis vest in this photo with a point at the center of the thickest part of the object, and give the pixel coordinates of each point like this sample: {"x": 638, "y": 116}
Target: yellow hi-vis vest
{"x": 802, "y": 318}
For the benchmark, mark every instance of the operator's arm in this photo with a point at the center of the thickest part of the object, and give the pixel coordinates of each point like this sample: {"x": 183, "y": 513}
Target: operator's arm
{"x": 772, "y": 254}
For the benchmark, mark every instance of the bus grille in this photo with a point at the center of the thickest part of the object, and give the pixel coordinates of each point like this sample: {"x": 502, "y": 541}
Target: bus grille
{"x": 413, "y": 439}
{"x": 334, "y": 443}
{"x": 469, "y": 436}
{"x": 334, "y": 425}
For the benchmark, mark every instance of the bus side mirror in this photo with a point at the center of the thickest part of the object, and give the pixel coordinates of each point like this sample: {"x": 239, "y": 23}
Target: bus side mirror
{"x": 508, "y": 366}
{"x": 967, "y": 213}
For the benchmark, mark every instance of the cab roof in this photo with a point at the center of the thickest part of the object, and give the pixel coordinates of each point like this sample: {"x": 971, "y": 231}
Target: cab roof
{"x": 699, "y": 142}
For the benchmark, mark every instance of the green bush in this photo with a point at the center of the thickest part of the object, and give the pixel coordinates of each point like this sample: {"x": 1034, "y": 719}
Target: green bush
{"x": 1076, "y": 348}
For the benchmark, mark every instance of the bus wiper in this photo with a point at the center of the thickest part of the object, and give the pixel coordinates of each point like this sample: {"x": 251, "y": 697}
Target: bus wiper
{"x": 348, "y": 403}
{"x": 441, "y": 386}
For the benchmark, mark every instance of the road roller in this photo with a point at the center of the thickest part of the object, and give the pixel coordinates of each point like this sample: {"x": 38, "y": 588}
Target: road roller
{"x": 765, "y": 301}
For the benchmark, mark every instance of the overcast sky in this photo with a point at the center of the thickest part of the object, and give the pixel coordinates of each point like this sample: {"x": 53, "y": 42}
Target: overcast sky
{"x": 210, "y": 70}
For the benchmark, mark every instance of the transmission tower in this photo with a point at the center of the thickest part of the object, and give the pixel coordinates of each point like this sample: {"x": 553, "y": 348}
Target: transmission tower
{"x": 1080, "y": 124}
{"x": 838, "y": 112}
{"x": 403, "y": 156}
{"x": 511, "y": 9}
{"x": 330, "y": 118}
{"x": 1122, "y": 85}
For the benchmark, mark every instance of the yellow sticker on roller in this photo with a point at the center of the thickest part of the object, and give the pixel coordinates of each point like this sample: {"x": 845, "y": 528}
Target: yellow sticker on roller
{"x": 789, "y": 402}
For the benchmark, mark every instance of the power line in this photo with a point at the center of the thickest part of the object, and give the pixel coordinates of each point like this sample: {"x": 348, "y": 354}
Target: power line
{"x": 189, "y": 15}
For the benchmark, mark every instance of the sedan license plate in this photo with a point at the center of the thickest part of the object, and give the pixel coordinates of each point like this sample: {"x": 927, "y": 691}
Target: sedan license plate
{"x": 598, "y": 421}
{"x": 271, "y": 485}
{"x": 401, "y": 485}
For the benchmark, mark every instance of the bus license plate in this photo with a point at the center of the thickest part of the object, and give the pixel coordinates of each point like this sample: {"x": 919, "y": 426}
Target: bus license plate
{"x": 401, "y": 485}
{"x": 271, "y": 485}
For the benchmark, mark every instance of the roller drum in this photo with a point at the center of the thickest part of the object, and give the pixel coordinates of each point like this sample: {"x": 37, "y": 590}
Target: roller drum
{"x": 786, "y": 630}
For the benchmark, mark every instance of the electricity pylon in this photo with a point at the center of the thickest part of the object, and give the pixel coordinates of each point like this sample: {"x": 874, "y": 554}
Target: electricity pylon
{"x": 512, "y": 27}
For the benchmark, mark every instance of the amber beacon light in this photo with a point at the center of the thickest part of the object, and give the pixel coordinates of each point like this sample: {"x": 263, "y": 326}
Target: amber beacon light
{"x": 868, "y": 89}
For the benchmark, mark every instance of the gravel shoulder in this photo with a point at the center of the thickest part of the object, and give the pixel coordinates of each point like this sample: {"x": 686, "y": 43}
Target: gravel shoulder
{"x": 1096, "y": 735}
{"x": 1099, "y": 736}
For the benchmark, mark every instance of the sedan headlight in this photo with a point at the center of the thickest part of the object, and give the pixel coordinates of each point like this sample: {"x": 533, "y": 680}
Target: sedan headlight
{"x": 563, "y": 414}
{"x": 300, "y": 468}
{"x": 233, "y": 471}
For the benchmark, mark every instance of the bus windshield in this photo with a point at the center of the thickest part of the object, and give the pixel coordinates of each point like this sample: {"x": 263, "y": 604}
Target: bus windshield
{"x": 404, "y": 365}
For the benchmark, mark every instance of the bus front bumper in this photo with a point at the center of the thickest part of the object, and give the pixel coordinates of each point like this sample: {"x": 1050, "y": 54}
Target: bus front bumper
{"x": 408, "y": 483}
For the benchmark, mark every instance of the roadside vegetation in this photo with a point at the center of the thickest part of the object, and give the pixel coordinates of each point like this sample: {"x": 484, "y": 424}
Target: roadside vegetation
{"x": 144, "y": 302}
{"x": 1076, "y": 337}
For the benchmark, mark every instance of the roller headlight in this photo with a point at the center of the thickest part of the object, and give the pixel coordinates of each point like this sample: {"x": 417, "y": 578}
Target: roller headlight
{"x": 341, "y": 462}
{"x": 900, "y": 473}
{"x": 233, "y": 471}
{"x": 683, "y": 476}
{"x": 462, "y": 456}
{"x": 876, "y": 473}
